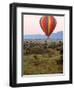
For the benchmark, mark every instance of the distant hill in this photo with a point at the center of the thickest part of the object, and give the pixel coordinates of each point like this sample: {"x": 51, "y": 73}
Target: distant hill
{"x": 53, "y": 36}
{"x": 57, "y": 36}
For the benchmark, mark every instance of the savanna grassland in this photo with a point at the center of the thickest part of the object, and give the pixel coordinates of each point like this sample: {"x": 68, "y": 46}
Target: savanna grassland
{"x": 42, "y": 57}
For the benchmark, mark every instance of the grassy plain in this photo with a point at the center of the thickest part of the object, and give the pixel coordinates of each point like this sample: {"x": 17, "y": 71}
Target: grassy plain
{"x": 42, "y": 57}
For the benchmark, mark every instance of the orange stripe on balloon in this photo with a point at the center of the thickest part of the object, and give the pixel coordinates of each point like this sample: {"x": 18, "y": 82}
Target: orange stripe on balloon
{"x": 48, "y": 25}
{"x": 51, "y": 24}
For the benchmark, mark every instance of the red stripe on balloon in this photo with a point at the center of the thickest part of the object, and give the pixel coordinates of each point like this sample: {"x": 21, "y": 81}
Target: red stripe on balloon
{"x": 43, "y": 23}
{"x": 52, "y": 24}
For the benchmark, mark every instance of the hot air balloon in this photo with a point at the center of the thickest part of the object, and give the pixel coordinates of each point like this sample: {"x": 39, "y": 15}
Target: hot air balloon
{"x": 48, "y": 24}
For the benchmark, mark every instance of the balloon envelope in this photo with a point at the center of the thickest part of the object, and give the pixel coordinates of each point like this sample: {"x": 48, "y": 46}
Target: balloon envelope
{"x": 47, "y": 24}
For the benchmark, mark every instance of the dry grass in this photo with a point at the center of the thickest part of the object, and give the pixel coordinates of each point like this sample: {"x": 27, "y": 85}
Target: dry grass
{"x": 42, "y": 60}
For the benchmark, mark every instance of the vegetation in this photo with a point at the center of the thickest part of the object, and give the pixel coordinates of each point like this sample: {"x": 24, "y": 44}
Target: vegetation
{"x": 42, "y": 57}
